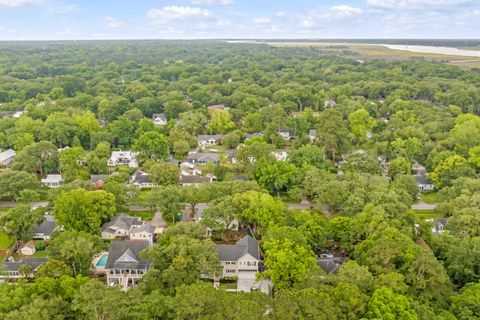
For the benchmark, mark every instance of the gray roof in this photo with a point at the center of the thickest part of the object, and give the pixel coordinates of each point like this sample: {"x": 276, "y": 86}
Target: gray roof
{"x": 255, "y": 134}
{"x": 330, "y": 265}
{"x": 422, "y": 180}
{"x": 231, "y": 153}
{"x": 161, "y": 116}
{"x": 140, "y": 177}
{"x": 35, "y": 263}
{"x": 206, "y": 137}
{"x": 7, "y": 154}
{"x": 149, "y": 228}
{"x": 132, "y": 248}
{"x": 194, "y": 179}
{"x": 121, "y": 221}
{"x": 47, "y": 226}
{"x": 204, "y": 157}
{"x": 229, "y": 252}
{"x": 98, "y": 177}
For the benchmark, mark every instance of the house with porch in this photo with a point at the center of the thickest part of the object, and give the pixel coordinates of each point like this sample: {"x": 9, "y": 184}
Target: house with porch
{"x": 11, "y": 269}
{"x": 424, "y": 183}
{"x": 124, "y": 265}
{"x": 53, "y": 180}
{"x": 142, "y": 180}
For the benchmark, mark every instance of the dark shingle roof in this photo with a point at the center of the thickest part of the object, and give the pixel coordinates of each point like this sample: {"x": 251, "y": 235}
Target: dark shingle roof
{"x": 47, "y": 226}
{"x": 422, "y": 180}
{"x": 33, "y": 262}
{"x": 194, "y": 179}
{"x": 132, "y": 248}
{"x": 229, "y": 252}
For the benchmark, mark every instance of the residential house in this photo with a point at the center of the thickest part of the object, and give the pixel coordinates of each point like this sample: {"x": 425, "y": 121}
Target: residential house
{"x": 7, "y": 156}
{"x": 209, "y": 140}
{"x": 285, "y": 134}
{"x": 312, "y": 135}
{"x": 141, "y": 180}
{"x": 194, "y": 180}
{"x": 231, "y": 156}
{"x": 330, "y": 264}
{"x": 119, "y": 158}
{"x": 20, "y": 111}
{"x": 203, "y": 159}
{"x": 280, "y": 155}
{"x": 45, "y": 229}
{"x": 53, "y": 180}
{"x": 240, "y": 260}
{"x": 10, "y": 270}
{"x": 419, "y": 170}
{"x": 98, "y": 180}
{"x": 330, "y": 103}
{"x": 124, "y": 265}
{"x": 438, "y": 225}
{"x": 119, "y": 226}
{"x": 424, "y": 183}
{"x": 249, "y": 136}
{"x": 143, "y": 232}
{"x": 189, "y": 169}
{"x": 28, "y": 248}
{"x": 159, "y": 119}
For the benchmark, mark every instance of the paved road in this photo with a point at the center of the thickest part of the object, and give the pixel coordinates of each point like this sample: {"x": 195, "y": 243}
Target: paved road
{"x": 422, "y": 205}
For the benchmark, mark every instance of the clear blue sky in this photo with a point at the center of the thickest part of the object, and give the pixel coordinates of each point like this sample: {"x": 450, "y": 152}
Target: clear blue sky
{"x": 193, "y": 19}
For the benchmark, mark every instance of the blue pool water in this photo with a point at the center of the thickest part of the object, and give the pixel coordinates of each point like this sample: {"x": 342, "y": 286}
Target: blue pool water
{"x": 103, "y": 261}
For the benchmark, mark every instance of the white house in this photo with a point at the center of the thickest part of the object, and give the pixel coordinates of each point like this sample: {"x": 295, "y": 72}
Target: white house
{"x": 189, "y": 169}
{"x": 203, "y": 159}
{"x": 53, "y": 180}
{"x": 285, "y": 134}
{"x": 240, "y": 260}
{"x": 119, "y": 158}
{"x": 142, "y": 180}
{"x": 28, "y": 249}
{"x": 438, "y": 225}
{"x": 159, "y": 119}
{"x": 209, "y": 140}
{"x": 7, "y": 156}
{"x": 143, "y": 232}
{"x": 12, "y": 269}
{"x": 125, "y": 226}
{"x": 312, "y": 135}
{"x": 424, "y": 183}
{"x": 124, "y": 267}
{"x": 280, "y": 155}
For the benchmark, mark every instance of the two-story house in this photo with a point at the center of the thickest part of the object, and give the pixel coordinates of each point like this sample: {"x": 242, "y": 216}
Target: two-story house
{"x": 124, "y": 267}
{"x": 240, "y": 260}
{"x": 119, "y": 158}
{"x": 209, "y": 140}
{"x": 125, "y": 226}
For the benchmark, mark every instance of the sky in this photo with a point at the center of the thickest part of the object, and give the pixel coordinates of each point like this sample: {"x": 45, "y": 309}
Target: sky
{"x": 238, "y": 19}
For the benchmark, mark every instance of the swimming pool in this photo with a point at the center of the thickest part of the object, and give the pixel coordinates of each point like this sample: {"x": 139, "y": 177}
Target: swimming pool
{"x": 102, "y": 261}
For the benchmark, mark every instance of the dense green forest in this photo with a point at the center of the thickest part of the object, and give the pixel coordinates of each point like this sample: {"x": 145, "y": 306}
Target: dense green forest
{"x": 355, "y": 130}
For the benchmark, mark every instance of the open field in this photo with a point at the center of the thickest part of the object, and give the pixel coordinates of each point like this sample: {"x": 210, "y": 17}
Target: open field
{"x": 380, "y": 52}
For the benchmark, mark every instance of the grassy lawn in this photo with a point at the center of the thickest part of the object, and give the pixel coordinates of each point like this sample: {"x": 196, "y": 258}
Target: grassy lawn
{"x": 430, "y": 198}
{"x": 228, "y": 285}
{"x": 145, "y": 215}
{"x": 5, "y": 240}
{"x": 427, "y": 214}
{"x": 40, "y": 254}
